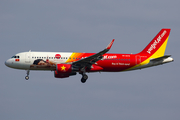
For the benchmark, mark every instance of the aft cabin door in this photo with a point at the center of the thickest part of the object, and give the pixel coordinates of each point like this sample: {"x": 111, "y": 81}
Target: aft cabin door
{"x": 138, "y": 59}
{"x": 27, "y": 57}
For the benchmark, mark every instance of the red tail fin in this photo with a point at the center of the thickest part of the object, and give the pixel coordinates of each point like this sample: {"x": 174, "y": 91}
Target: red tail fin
{"x": 158, "y": 45}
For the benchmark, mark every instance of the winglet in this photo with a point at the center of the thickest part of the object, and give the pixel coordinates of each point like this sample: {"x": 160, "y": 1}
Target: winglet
{"x": 110, "y": 44}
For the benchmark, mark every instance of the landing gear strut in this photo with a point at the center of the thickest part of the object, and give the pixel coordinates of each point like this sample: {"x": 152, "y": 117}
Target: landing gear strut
{"x": 27, "y": 77}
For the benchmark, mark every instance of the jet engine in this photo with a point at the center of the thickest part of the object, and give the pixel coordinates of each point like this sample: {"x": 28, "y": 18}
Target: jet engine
{"x": 63, "y": 71}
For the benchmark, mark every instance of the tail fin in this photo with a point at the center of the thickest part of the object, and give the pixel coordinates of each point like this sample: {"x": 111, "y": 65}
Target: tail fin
{"x": 156, "y": 48}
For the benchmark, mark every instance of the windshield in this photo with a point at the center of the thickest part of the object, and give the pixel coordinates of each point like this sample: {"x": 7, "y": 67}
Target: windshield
{"x": 15, "y": 57}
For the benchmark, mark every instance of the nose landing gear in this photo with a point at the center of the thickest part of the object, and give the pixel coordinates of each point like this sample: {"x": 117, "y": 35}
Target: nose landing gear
{"x": 27, "y": 77}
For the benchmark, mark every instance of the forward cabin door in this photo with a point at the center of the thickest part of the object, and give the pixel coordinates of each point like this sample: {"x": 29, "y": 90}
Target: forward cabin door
{"x": 138, "y": 59}
{"x": 27, "y": 57}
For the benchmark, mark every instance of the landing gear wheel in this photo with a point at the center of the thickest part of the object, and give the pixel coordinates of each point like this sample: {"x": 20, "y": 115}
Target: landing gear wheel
{"x": 27, "y": 77}
{"x": 84, "y": 78}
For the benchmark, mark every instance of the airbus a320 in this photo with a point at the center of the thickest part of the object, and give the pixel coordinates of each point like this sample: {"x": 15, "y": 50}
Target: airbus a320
{"x": 65, "y": 64}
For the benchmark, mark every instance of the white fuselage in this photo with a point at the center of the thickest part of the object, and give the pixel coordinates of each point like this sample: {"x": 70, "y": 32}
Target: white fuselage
{"x": 25, "y": 59}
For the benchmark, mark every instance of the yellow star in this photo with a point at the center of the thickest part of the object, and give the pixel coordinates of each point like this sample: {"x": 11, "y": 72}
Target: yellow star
{"x": 63, "y": 68}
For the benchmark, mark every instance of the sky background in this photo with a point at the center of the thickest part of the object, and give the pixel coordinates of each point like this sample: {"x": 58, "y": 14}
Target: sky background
{"x": 89, "y": 26}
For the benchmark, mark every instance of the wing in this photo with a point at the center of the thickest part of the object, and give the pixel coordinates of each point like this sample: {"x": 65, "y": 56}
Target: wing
{"x": 88, "y": 61}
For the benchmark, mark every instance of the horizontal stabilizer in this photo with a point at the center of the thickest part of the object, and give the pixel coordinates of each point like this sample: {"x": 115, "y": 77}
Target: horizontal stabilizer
{"x": 160, "y": 58}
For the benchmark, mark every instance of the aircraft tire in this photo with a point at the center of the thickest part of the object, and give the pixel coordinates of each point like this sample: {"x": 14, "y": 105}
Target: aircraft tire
{"x": 84, "y": 78}
{"x": 27, "y": 77}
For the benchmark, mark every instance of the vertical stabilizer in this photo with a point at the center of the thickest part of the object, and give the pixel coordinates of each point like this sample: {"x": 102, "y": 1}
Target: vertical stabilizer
{"x": 156, "y": 48}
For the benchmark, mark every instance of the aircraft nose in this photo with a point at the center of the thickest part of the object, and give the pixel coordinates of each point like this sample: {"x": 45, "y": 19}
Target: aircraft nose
{"x": 7, "y": 63}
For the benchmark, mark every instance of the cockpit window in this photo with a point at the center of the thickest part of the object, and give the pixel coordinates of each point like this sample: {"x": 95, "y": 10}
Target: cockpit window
{"x": 15, "y": 57}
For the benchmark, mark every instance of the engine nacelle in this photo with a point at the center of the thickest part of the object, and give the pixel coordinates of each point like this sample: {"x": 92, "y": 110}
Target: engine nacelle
{"x": 63, "y": 71}
{"x": 64, "y": 68}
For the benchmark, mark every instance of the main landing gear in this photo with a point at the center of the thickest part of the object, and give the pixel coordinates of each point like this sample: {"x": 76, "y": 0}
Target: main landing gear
{"x": 27, "y": 77}
{"x": 84, "y": 78}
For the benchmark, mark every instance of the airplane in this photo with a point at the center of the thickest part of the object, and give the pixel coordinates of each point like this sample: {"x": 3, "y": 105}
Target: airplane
{"x": 65, "y": 64}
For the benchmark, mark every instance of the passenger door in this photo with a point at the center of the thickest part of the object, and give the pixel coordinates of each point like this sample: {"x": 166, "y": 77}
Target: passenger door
{"x": 27, "y": 57}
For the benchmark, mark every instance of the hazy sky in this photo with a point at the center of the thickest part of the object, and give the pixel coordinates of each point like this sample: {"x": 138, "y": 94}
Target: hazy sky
{"x": 88, "y": 26}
